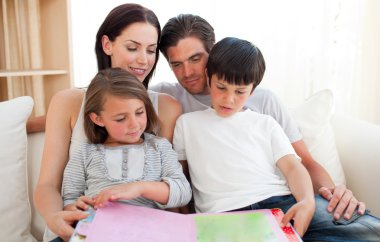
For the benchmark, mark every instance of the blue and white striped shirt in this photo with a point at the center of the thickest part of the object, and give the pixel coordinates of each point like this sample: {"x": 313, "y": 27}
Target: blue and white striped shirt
{"x": 87, "y": 172}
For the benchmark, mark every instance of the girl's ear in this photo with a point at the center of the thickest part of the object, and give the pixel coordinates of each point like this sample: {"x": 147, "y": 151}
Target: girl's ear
{"x": 96, "y": 119}
{"x": 107, "y": 45}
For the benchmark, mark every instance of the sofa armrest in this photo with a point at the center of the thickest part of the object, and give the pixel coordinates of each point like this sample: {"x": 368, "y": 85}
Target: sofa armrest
{"x": 35, "y": 149}
{"x": 358, "y": 144}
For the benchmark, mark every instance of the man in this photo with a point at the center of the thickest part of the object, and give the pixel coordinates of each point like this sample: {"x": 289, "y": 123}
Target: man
{"x": 185, "y": 42}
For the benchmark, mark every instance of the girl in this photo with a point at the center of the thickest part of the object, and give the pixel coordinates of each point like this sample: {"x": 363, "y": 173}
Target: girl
{"x": 128, "y": 38}
{"x": 123, "y": 160}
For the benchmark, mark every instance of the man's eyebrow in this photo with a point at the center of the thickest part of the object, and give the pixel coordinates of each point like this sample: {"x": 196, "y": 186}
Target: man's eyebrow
{"x": 198, "y": 54}
{"x": 195, "y": 55}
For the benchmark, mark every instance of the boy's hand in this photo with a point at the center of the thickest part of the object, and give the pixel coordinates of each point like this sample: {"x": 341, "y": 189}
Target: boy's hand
{"x": 301, "y": 213}
{"x": 117, "y": 192}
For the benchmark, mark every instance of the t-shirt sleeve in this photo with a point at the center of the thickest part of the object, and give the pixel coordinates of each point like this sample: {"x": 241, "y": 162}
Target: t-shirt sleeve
{"x": 179, "y": 139}
{"x": 280, "y": 142}
{"x": 268, "y": 103}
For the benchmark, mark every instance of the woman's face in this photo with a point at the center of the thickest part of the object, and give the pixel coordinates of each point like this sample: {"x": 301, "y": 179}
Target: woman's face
{"x": 134, "y": 49}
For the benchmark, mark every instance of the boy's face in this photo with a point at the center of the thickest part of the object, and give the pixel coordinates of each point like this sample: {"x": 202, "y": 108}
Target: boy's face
{"x": 227, "y": 99}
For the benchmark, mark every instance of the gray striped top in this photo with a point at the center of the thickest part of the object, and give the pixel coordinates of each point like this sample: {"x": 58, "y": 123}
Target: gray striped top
{"x": 87, "y": 172}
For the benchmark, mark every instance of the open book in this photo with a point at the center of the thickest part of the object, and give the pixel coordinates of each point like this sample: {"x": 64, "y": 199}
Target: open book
{"x": 121, "y": 222}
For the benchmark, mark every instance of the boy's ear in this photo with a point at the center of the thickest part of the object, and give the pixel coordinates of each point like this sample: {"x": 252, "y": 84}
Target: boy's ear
{"x": 207, "y": 78}
{"x": 106, "y": 45}
{"x": 96, "y": 119}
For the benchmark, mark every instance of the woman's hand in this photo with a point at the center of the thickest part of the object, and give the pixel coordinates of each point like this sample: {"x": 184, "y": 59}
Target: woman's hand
{"x": 61, "y": 222}
{"x": 301, "y": 213}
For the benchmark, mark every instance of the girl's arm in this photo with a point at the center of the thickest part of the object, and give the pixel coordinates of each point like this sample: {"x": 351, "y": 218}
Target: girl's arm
{"x": 302, "y": 189}
{"x": 173, "y": 191}
{"x": 74, "y": 180}
{"x": 63, "y": 110}
{"x": 169, "y": 110}
{"x": 173, "y": 174}
{"x": 152, "y": 190}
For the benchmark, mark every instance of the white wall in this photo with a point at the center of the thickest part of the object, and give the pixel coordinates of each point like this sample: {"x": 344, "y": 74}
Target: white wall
{"x": 307, "y": 45}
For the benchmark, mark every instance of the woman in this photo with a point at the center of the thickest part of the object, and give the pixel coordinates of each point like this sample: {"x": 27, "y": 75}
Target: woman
{"x": 128, "y": 38}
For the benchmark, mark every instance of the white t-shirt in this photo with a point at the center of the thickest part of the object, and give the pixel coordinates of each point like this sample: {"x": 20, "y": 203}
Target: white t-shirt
{"x": 262, "y": 101}
{"x": 232, "y": 161}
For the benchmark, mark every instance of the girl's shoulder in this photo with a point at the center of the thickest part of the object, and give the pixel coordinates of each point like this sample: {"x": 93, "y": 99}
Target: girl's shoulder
{"x": 156, "y": 141}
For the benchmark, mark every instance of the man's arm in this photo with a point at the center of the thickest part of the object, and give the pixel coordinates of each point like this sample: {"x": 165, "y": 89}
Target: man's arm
{"x": 341, "y": 200}
{"x": 36, "y": 124}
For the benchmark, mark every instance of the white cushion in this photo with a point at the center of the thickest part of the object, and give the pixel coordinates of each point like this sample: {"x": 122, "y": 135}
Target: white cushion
{"x": 314, "y": 119}
{"x": 15, "y": 214}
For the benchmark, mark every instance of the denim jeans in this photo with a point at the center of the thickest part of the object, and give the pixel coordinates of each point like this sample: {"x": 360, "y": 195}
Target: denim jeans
{"x": 58, "y": 239}
{"x": 322, "y": 226}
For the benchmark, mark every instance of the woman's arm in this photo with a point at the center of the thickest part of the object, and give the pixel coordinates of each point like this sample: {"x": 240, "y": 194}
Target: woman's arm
{"x": 61, "y": 117}
{"x": 169, "y": 110}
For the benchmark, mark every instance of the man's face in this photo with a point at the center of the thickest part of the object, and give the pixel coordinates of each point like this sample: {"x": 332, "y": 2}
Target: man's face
{"x": 188, "y": 61}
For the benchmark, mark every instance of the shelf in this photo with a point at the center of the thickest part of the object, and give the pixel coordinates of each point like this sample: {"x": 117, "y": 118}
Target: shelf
{"x": 10, "y": 73}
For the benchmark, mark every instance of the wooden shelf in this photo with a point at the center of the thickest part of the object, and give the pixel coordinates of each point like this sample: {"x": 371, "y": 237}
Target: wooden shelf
{"x": 11, "y": 73}
{"x": 35, "y": 50}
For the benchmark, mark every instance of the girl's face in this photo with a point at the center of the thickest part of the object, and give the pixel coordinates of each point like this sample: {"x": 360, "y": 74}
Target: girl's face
{"x": 124, "y": 119}
{"x": 134, "y": 49}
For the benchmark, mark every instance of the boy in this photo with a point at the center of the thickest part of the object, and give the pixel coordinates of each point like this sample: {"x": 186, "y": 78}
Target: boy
{"x": 235, "y": 156}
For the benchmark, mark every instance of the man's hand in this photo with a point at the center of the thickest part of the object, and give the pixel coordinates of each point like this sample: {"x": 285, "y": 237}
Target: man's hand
{"x": 341, "y": 201}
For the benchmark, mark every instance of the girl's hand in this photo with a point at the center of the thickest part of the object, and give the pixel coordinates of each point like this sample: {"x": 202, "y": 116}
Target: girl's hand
{"x": 301, "y": 213}
{"x": 117, "y": 192}
{"x": 82, "y": 204}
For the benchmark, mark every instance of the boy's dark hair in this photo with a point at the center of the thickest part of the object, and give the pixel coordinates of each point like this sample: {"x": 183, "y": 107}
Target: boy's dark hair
{"x": 183, "y": 26}
{"x": 120, "y": 83}
{"x": 237, "y": 61}
{"x": 113, "y": 25}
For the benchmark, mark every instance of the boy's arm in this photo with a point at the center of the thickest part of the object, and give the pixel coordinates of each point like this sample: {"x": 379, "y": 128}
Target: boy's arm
{"x": 301, "y": 212}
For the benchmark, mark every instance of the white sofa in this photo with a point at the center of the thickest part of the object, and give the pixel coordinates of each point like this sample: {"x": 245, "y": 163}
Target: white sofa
{"x": 357, "y": 144}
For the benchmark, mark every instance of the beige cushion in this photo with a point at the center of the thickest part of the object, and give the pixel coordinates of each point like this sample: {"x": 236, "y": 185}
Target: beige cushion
{"x": 15, "y": 214}
{"x": 314, "y": 119}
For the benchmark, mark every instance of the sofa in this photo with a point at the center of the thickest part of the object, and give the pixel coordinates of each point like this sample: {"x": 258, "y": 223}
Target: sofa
{"x": 348, "y": 148}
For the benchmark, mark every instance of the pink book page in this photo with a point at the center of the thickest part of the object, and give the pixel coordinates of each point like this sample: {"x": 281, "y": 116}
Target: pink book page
{"x": 119, "y": 222}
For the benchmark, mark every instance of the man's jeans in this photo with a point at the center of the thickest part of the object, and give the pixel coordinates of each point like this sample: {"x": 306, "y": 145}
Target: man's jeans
{"x": 322, "y": 226}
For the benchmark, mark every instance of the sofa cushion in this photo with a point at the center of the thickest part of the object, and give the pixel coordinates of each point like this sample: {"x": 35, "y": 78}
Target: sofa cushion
{"x": 314, "y": 120}
{"x": 14, "y": 203}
